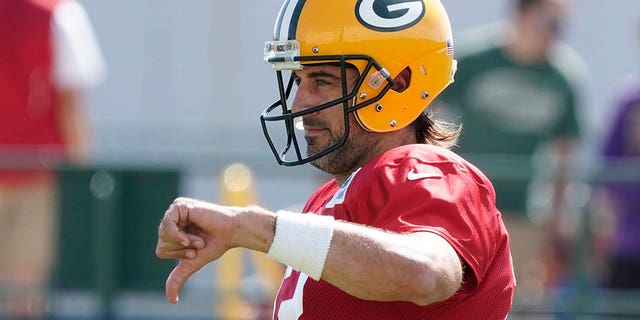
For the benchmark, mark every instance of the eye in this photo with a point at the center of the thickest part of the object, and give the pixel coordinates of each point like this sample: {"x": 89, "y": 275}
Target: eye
{"x": 322, "y": 82}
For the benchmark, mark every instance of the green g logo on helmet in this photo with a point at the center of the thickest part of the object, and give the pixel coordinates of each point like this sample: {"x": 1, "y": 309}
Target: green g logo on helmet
{"x": 389, "y": 15}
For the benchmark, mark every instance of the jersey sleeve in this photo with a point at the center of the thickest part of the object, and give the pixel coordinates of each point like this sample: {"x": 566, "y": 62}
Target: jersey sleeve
{"x": 78, "y": 63}
{"x": 572, "y": 74}
{"x": 569, "y": 124}
{"x": 445, "y": 198}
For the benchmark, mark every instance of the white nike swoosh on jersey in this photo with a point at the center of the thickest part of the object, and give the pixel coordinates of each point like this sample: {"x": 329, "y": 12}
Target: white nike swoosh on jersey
{"x": 413, "y": 175}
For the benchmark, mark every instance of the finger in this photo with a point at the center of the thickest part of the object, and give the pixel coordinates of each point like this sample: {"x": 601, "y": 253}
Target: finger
{"x": 178, "y": 277}
{"x": 187, "y": 253}
{"x": 183, "y": 215}
{"x": 170, "y": 242}
{"x": 195, "y": 241}
{"x": 166, "y": 249}
{"x": 169, "y": 231}
{"x": 189, "y": 211}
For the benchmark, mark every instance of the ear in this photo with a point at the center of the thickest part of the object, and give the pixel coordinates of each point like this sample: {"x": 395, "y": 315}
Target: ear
{"x": 402, "y": 80}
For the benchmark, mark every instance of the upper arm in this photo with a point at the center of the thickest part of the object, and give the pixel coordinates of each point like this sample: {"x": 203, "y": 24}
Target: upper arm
{"x": 443, "y": 262}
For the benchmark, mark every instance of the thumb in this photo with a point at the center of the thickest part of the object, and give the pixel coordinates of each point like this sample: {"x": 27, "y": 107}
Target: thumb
{"x": 179, "y": 275}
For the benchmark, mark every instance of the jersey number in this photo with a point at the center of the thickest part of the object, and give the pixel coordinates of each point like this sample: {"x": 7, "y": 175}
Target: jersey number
{"x": 292, "y": 308}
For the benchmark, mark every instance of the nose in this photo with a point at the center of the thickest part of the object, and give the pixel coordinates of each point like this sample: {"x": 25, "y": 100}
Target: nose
{"x": 303, "y": 99}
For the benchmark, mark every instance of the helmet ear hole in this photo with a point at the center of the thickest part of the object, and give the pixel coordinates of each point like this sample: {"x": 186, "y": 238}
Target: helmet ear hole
{"x": 402, "y": 80}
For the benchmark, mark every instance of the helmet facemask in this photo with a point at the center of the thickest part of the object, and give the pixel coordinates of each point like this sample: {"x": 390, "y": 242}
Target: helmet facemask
{"x": 283, "y": 128}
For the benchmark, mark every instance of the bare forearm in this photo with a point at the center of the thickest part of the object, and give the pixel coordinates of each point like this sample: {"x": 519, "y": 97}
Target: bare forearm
{"x": 373, "y": 264}
{"x": 255, "y": 229}
{"x": 73, "y": 126}
{"x": 376, "y": 265}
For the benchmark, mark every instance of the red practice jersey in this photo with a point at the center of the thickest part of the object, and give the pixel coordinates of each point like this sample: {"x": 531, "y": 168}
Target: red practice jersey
{"x": 29, "y": 122}
{"x": 415, "y": 188}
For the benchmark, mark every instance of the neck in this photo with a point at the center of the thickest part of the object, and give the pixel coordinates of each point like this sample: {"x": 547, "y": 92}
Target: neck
{"x": 380, "y": 143}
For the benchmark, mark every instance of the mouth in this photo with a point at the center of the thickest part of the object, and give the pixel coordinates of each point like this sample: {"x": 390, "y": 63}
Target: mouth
{"x": 309, "y": 132}
{"x": 308, "y": 128}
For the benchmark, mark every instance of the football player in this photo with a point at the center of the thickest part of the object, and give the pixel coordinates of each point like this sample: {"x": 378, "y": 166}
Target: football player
{"x": 406, "y": 229}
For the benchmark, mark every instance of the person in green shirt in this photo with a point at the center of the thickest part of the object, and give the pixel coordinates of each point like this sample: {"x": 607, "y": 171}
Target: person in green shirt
{"x": 516, "y": 91}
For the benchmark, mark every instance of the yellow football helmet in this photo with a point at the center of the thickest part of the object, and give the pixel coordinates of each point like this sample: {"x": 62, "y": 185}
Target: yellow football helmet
{"x": 378, "y": 37}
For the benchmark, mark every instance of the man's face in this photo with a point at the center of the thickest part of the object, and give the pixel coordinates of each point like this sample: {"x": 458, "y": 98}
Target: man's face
{"x": 545, "y": 20}
{"x": 321, "y": 84}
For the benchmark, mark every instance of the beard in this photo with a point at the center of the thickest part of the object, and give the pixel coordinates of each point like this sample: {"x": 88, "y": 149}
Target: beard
{"x": 345, "y": 159}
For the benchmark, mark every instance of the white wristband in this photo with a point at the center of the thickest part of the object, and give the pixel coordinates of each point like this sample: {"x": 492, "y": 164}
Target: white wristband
{"x": 302, "y": 241}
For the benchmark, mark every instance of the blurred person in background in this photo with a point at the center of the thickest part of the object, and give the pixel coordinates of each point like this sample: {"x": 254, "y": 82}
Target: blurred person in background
{"x": 48, "y": 57}
{"x": 516, "y": 92}
{"x": 617, "y": 200}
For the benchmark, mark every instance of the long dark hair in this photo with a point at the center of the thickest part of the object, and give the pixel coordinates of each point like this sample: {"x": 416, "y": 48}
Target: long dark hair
{"x": 436, "y": 132}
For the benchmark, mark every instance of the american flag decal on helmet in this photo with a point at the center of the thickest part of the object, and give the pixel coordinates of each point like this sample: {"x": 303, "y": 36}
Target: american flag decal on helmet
{"x": 449, "y": 51}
